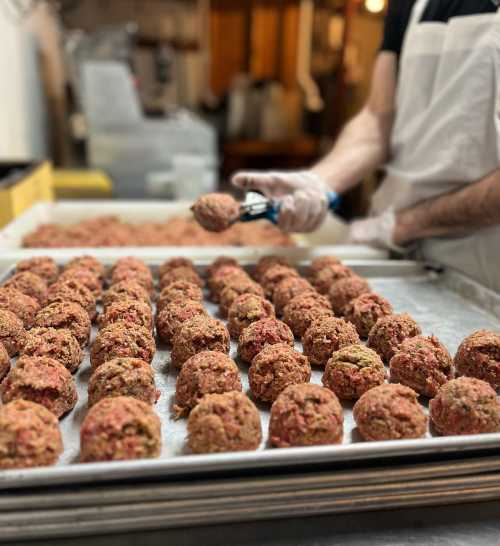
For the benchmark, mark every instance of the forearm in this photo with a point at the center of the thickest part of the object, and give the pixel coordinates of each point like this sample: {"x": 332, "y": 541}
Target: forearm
{"x": 474, "y": 207}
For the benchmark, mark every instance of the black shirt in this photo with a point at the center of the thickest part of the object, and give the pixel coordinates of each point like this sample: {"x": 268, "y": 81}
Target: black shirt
{"x": 399, "y": 12}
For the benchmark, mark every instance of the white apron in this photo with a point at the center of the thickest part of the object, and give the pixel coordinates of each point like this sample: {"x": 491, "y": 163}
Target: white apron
{"x": 447, "y": 129}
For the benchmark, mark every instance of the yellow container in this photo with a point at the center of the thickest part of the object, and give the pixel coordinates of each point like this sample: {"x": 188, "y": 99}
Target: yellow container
{"x": 82, "y": 184}
{"x": 21, "y": 186}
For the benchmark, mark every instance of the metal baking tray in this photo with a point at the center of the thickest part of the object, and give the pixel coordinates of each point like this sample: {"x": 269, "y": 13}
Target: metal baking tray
{"x": 446, "y": 304}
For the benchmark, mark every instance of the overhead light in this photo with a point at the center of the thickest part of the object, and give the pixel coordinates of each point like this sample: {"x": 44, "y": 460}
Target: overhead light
{"x": 375, "y": 6}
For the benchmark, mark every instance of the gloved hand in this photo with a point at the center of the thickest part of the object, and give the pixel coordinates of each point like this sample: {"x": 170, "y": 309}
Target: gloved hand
{"x": 377, "y": 231}
{"x": 302, "y": 195}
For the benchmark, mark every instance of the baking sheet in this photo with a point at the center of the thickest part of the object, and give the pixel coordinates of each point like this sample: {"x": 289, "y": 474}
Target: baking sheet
{"x": 447, "y": 305}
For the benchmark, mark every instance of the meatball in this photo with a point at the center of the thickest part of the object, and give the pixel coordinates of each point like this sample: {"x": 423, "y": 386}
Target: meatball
{"x": 305, "y": 309}
{"x": 132, "y": 269}
{"x": 75, "y": 292}
{"x": 258, "y": 335}
{"x": 390, "y": 412}
{"x": 30, "y": 285}
{"x": 365, "y": 310}
{"x": 42, "y": 380}
{"x": 120, "y": 428}
{"x": 208, "y": 372}
{"x": 236, "y": 286}
{"x": 422, "y": 363}
{"x": 43, "y": 266}
{"x": 18, "y": 303}
{"x": 174, "y": 263}
{"x": 465, "y": 406}
{"x": 130, "y": 263}
{"x": 217, "y": 282}
{"x": 86, "y": 277}
{"x": 123, "y": 377}
{"x": 12, "y": 332}
{"x": 306, "y": 415}
{"x": 245, "y": 310}
{"x": 178, "y": 291}
{"x": 67, "y": 315}
{"x": 60, "y": 345}
{"x": 125, "y": 290}
{"x": 174, "y": 315}
{"x": 320, "y": 263}
{"x": 200, "y": 333}
{"x": 87, "y": 262}
{"x": 216, "y": 211}
{"x": 389, "y": 332}
{"x": 273, "y": 276}
{"x": 288, "y": 289}
{"x": 119, "y": 340}
{"x": 181, "y": 274}
{"x": 131, "y": 312}
{"x": 4, "y": 361}
{"x": 224, "y": 422}
{"x": 266, "y": 262}
{"x": 218, "y": 263}
{"x": 327, "y": 335}
{"x": 274, "y": 369}
{"x": 29, "y": 436}
{"x": 352, "y": 371}
{"x": 326, "y": 277}
{"x": 479, "y": 356}
{"x": 345, "y": 290}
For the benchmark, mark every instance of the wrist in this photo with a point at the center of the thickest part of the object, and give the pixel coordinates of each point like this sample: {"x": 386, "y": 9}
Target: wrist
{"x": 406, "y": 228}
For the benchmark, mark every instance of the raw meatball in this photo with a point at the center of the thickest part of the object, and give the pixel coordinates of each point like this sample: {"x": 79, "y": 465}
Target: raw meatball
{"x": 326, "y": 277}
{"x": 259, "y": 334}
{"x": 224, "y": 422}
{"x": 306, "y": 415}
{"x": 125, "y": 290}
{"x": 129, "y": 263}
{"x": 274, "y": 369}
{"x": 245, "y": 310}
{"x": 42, "y": 380}
{"x": 365, "y": 310}
{"x": 4, "y": 361}
{"x": 345, "y": 290}
{"x": 174, "y": 263}
{"x": 327, "y": 335}
{"x": 29, "y": 284}
{"x": 320, "y": 263}
{"x": 200, "y": 333}
{"x": 218, "y": 263}
{"x": 66, "y": 315}
{"x": 123, "y": 377}
{"x": 390, "y": 412}
{"x": 133, "y": 269}
{"x": 119, "y": 340}
{"x": 18, "y": 303}
{"x": 236, "y": 286}
{"x": 216, "y": 211}
{"x": 465, "y": 406}
{"x": 479, "y": 356}
{"x": 61, "y": 345}
{"x": 181, "y": 274}
{"x": 266, "y": 262}
{"x": 217, "y": 282}
{"x": 208, "y": 372}
{"x": 29, "y": 436}
{"x": 131, "y": 312}
{"x": 86, "y": 277}
{"x": 273, "y": 276}
{"x": 120, "y": 428}
{"x": 87, "y": 262}
{"x": 305, "y": 309}
{"x": 170, "y": 320}
{"x": 178, "y": 291}
{"x": 75, "y": 292}
{"x": 288, "y": 289}
{"x": 352, "y": 371}
{"x": 12, "y": 332}
{"x": 43, "y": 266}
{"x": 389, "y": 332}
{"x": 422, "y": 363}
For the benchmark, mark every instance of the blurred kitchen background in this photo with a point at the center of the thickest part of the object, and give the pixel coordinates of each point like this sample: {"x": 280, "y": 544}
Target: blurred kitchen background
{"x": 164, "y": 99}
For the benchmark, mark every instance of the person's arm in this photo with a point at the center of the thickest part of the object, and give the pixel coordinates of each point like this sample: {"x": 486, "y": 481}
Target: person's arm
{"x": 471, "y": 208}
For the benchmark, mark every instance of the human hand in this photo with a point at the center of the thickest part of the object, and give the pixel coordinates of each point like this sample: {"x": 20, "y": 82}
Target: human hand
{"x": 301, "y": 194}
{"x": 378, "y": 231}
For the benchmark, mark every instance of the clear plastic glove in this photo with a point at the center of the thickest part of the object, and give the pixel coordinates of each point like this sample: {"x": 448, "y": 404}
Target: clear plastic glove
{"x": 302, "y": 195}
{"x": 377, "y": 231}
